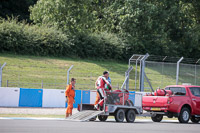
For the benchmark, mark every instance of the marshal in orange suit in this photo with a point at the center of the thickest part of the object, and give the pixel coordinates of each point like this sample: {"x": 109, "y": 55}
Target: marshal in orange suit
{"x": 70, "y": 95}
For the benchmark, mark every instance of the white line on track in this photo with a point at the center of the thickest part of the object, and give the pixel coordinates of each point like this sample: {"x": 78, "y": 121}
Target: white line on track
{"x": 41, "y": 118}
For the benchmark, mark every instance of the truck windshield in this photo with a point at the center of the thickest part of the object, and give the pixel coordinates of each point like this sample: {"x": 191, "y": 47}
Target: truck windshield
{"x": 177, "y": 90}
{"x": 195, "y": 91}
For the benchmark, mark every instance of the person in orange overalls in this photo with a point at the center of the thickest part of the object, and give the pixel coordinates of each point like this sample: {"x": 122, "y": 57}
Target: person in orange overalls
{"x": 70, "y": 95}
{"x": 97, "y": 99}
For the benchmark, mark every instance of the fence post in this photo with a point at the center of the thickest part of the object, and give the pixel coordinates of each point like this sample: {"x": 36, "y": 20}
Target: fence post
{"x": 136, "y": 62}
{"x": 127, "y": 77}
{"x": 196, "y": 71}
{"x": 7, "y": 83}
{"x": 142, "y": 69}
{"x": 1, "y": 72}
{"x": 177, "y": 69}
{"x": 42, "y": 84}
{"x": 163, "y": 62}
{"x": 68, "y": 73}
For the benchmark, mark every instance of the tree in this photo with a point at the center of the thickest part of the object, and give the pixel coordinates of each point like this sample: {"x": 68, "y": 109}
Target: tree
{"x": 67, "y": 15}
{"x": 157, "y": 27}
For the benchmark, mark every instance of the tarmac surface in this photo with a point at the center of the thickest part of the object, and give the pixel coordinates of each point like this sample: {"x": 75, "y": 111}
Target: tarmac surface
{"x": 64, "y": 126}
{"x": 60, "y": 125}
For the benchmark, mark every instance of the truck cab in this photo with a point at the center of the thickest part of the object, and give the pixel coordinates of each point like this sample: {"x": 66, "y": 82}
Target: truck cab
{"x": 195, "y": 96}
{"x": 182, "y": 101}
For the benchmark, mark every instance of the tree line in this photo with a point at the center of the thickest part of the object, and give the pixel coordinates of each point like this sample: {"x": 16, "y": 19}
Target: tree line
{"x": 118, "y": 28}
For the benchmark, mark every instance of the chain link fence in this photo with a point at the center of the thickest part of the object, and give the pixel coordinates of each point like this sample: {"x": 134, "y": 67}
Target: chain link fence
{"x": 42, "y": 77}
{"x": 161, "y": 71}
{"x": 189, "y": 74}
{"x": 160, "y": 74}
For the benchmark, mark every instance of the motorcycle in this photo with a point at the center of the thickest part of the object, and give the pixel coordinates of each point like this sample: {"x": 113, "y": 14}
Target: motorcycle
{"x": 118, "y": 97}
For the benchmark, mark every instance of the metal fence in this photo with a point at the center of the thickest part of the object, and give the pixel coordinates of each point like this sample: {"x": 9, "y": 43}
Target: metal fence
{"x": 167, "y": 71}
{"x": 161, "y": 71}
{"x": 42, "y": 77}
{"x": 189, "y": 74}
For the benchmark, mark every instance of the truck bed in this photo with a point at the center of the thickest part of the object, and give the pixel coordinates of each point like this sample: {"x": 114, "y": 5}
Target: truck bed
{"x": 155, "y": 103}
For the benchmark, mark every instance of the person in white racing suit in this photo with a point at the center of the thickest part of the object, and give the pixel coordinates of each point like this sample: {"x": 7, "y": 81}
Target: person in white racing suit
{"x": 102, "y": 85}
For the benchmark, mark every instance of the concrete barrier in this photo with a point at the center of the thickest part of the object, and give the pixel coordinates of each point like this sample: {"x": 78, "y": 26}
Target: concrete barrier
{"x": 93, "y": 94}
{"x": 9, "y": 97}
{"x": 30, "y": 97}
{"x": 53, "y": 98}
{"x": 22, "y": 97}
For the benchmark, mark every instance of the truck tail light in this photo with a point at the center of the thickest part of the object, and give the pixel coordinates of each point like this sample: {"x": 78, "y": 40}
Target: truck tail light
{"x": 169, "y": 100}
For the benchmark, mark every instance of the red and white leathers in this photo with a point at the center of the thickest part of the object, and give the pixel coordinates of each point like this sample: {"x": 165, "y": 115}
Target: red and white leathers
{"x": 102, "y": 85}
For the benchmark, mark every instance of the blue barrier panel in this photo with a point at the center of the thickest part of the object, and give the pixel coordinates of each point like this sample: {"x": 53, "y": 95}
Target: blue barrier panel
{"x": 30, "y": 97}
{"x": 77, "y": 98}
{"x": 86, "y": 97}
{"x": 132, "y": 96}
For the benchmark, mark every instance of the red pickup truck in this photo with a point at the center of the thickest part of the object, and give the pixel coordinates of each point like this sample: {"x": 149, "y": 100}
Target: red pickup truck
{"x": 182, "y": 101}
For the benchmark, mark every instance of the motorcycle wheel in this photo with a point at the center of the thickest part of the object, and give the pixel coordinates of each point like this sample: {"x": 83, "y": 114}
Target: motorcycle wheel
{"x": 129, "y": 103}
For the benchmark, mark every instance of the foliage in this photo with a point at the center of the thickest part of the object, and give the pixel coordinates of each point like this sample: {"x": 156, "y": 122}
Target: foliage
{"x": 153, "y": 26}
{"x": 68, "y": 15}
{"x": 99, "y": 45}
{"x": 22, "y": 38}
{"x": 124, "y": 27}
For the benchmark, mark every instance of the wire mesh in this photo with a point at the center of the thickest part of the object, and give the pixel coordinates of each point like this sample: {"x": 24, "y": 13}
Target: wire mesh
{"x": 160, "y": 70}
{"x": 42, "y": 77}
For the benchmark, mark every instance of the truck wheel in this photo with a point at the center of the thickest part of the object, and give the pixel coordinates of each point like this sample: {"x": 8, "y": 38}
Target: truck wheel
{"x": 157, "y": 118}
{"x": 130, "y": 116}
{"x": 195, "y": 119}
{"x": 119, "y": 115}
{"x": 184, "y": 115}
{"x": 102, "y": 117}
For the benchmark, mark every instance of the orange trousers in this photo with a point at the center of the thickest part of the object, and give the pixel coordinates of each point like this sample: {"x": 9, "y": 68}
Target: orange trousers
{"x": 97, "y": 99}
{"x": 70, "y": 105}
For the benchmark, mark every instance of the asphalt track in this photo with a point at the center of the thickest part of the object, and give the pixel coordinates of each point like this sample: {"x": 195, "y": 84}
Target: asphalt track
{"x": 63, "y": 126}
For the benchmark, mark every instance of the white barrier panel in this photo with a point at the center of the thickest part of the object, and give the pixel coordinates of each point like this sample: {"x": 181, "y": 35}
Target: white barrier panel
{"x": 93, "y": 95}
{"x": 9, "y": 97}
{"x": 53, "y": 98}
{"x": 143, "y": 93}
{"x": 138, "y": 99}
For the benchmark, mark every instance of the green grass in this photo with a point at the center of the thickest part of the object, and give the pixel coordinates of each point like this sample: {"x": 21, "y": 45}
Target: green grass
{"x": 22, "y": 70}
{"x": 32, "y": 71}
